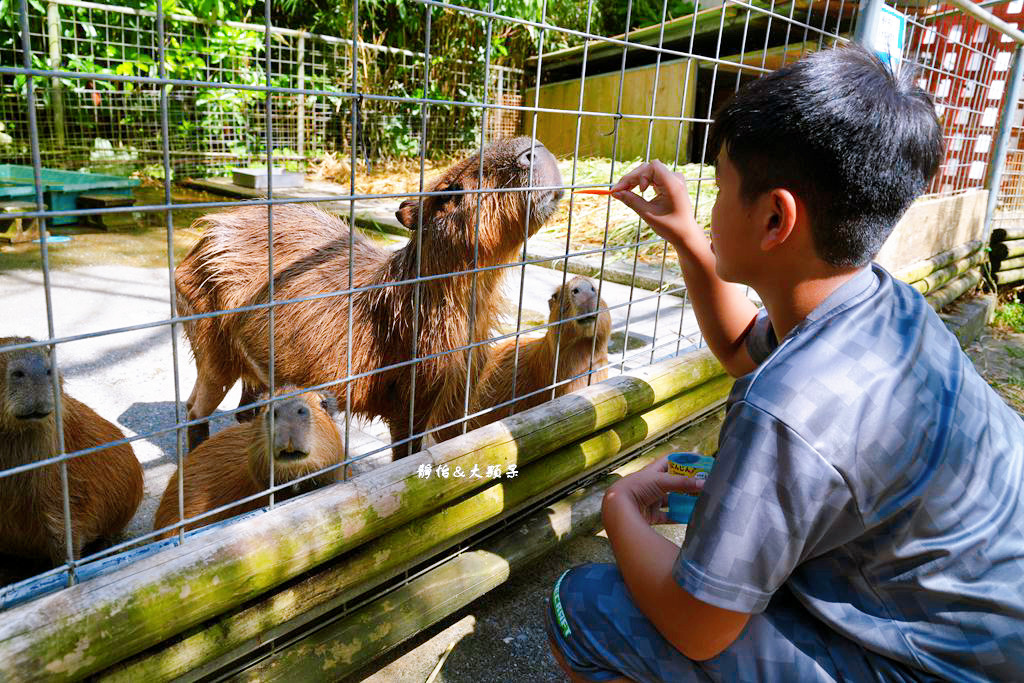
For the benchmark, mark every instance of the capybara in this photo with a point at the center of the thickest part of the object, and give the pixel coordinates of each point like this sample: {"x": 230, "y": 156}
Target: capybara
{"x": 105, "y": 487}
{"x": 232, "y": 464}
{"x": 227, "y": 268}
{"x": 580, "y": 317}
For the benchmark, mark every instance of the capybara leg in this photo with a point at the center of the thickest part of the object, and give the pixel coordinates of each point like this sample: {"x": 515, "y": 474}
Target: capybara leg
{"x": 249, "y": 395}
{"x": 399, "y": 432}
{"x": 207, "y": 397}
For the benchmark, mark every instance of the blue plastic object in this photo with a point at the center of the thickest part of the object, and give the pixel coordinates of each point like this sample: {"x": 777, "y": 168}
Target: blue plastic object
{"x": 680, "y": 505}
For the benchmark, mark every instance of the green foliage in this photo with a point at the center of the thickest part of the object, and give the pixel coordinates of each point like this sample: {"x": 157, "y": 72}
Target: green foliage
{"x": 1011, "y": 315}
{"x": 644, "y": 13}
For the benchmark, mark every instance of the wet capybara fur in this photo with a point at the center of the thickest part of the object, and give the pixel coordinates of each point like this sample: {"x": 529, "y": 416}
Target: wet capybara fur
{"x": 105, "y": 487}
{"x": 580, "y": 318}
{"x": 233, "y": 463}
{"x": 313, "y": 251}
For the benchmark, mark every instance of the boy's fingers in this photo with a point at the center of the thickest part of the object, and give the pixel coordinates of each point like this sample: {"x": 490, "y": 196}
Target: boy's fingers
{"x": 633, "y": 201}
{"x": 678, "y": 483}
{"x": 638, "y": 175}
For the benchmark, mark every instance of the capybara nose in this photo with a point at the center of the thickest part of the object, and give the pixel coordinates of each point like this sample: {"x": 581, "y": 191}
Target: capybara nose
{"x": 533, "y": 153}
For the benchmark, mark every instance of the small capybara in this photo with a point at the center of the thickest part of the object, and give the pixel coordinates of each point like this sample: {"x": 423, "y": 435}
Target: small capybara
{"x": 227, "y": 268}
{"x": 105, "y": 487}
{"x": 581, "y": 318}
{"x": 232, "y": 464}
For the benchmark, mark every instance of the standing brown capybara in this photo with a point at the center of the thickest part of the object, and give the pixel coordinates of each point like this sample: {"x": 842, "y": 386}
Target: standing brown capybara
{"x": 105, "y": 487}
{"x": 585, "y": 317}
{"x": 227, "y": 268}
{"x": 232, "y": 464}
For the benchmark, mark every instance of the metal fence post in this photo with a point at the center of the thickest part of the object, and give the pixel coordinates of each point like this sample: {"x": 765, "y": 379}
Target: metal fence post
{"x": 867, "y": 19}
{"x": 301, "y": 112}
{"x": 56, "y": 92}
{"x": 998, "y": 158}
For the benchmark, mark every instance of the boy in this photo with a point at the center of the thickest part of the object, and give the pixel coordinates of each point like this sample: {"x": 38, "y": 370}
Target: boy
{"x": 864, "y": 519}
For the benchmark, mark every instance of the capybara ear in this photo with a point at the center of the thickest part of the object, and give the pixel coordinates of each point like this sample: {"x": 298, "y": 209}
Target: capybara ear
{"x": 408, "y": 213}
{"x": 329, "y": 402}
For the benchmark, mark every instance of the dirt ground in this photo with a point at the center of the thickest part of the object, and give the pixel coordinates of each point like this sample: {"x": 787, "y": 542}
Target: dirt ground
{"x": 999, "y": 357}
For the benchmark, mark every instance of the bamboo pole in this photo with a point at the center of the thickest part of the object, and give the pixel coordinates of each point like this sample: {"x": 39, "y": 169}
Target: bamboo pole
{"x": 954, "y": 290}
{"x": 921, "y": 269}
{"x": 1003, "y": 234}
{"x": 59, "y": 636}
{"x": 936, "y": 280}
{"x": 1012, "y": 264}
{"x": 1006, "y": 277}
{"x": 1007, "y": 249}
{"x": 343, "y": 647}
{"x": 375, "y": 562}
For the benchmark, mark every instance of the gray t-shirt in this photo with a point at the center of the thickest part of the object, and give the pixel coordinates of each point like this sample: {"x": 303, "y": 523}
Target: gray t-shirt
{"x": 866, "y": 465}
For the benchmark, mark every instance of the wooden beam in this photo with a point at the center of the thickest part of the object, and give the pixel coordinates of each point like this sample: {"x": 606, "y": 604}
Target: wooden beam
{"x": 375, "y": 562}
{"x": 921, "y": 269}
{"x": 358, "y": 638}
{"x": 954, "y": 290}
{"x": 93, "y": 625}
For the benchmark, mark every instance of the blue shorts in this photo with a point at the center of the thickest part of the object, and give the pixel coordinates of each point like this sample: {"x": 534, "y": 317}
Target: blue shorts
{"x": 592, "y": 620}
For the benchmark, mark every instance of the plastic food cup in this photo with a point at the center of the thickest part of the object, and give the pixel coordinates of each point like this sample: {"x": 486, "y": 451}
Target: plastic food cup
{"x": 680, "y": 505}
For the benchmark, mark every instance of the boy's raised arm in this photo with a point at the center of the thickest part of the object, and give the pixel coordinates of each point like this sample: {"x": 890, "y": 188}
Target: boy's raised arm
{"x": 724, "y": 314}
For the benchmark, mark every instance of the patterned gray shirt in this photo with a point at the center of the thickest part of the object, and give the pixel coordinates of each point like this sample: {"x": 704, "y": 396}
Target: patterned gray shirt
{"x": 866, "y": 465}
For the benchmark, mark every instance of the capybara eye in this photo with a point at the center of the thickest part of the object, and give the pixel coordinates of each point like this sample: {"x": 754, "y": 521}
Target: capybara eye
{"x": 18, "y": 374}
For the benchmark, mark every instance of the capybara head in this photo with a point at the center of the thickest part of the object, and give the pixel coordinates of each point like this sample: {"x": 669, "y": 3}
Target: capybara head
{"x": 27, "y": 396}
{"x": 305, "y": 438}
{"x": 450, "y": 220}
{"x": 577, "y": 299}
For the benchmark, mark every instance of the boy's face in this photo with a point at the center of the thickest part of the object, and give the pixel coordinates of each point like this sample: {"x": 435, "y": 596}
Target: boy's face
{"x": 733, "y": 237}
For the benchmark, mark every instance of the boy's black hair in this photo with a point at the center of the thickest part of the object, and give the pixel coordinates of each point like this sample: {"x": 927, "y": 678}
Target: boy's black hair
{"x": 855, "y": 143}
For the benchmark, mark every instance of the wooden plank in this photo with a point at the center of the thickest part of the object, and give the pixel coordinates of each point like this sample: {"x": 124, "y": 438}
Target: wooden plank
{"x": 1007, "y": 249}
{"x": 921, "y": 269}
{"x": 1003, "y": 234}
{"x": 358, "y": 638}
{"x": 954, "y": 290}
{"x": 940, "y": 277}
{"x": 1011, "y": 264}
{"x": 378, "y": 560}
{"x": 93, "y": 625}
{"x": 1006, "y": 277}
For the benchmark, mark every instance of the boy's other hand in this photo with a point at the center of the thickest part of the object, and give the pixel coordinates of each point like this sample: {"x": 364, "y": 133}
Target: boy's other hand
{"x": 648, "y": 489}
{"x": 670, "y": 212}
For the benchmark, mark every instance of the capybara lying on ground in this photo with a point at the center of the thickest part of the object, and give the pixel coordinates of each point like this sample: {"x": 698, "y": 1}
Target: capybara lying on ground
{"x": 585, "y": 318}
{"x": 105, "y": 487}
{"x": 232, "y": 464}
{"x": 227, "y": 268}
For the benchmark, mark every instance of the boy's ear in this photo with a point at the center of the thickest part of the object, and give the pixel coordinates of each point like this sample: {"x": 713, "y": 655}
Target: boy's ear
{"x": 783, "y": 213}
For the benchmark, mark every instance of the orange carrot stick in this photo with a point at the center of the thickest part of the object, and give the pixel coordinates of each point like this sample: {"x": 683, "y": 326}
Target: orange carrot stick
{"x": 603, "y": 192}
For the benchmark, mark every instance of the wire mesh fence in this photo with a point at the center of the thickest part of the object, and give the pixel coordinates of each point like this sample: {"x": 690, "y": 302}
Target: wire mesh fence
{"x": 110, "y": 122}
{"x": 277, "y": 299}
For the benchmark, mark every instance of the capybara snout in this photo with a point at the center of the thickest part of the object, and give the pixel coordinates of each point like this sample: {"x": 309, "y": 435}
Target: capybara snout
{"x": 294, "y": 431}
{"x": 104, "y": 486}
{"x": 29, "y": 384}
{"x": 581, "y": 304}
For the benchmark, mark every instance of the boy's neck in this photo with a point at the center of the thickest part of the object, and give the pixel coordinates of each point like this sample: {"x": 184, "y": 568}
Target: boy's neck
{"x": 789, "y": 301}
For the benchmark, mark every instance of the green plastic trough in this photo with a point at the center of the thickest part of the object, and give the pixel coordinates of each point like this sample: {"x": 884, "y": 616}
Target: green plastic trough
{"x": 60, "y": 188}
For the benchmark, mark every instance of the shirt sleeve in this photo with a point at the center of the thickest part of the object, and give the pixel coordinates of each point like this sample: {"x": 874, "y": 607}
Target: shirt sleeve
{"x": 760, "y": 338}
{"x": 770, "y": 503}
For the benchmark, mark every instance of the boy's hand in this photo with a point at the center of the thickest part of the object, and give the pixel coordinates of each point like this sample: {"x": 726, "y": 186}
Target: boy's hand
{"x": 670, "y": 212}
{"x": 647, "y": 490}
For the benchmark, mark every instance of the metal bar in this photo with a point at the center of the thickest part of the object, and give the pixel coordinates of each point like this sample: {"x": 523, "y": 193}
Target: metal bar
{"x": 987, "y": 18}
{"x": 997, "y": 161}
{"x": 37, "y": 165}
